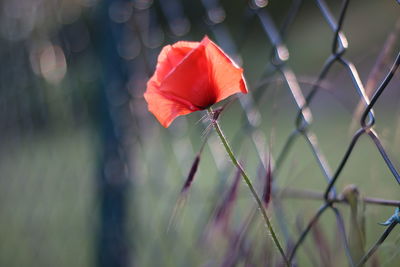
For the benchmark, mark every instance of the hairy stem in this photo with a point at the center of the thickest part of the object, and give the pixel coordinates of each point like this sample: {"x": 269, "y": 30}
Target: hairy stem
{"x": 249, "y": 184}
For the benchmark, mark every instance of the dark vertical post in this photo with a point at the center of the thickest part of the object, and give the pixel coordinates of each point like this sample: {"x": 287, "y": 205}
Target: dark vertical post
{"x": 112, "y": 245}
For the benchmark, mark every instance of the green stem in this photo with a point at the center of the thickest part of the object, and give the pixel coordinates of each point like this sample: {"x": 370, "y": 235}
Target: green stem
{"x": 249, "y": 184}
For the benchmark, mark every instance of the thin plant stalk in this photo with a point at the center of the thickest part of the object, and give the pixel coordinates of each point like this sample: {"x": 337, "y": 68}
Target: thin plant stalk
{"x": 247, "y": 180}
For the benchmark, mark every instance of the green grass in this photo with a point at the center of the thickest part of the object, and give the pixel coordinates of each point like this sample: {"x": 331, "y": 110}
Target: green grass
{"x": 47, "y": 200}
{"x": 47, "y": 185}
{"x": 168, "y": 160}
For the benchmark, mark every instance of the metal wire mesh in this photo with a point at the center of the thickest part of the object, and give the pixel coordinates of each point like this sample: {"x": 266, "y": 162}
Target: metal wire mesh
{"x": 304, "y": 118}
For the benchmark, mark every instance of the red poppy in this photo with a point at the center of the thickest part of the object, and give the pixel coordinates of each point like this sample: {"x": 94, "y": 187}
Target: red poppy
{"x": 191, "y": 76}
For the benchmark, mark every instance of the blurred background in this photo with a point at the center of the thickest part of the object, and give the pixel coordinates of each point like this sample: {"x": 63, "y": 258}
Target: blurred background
{"x": 88, "y": 177}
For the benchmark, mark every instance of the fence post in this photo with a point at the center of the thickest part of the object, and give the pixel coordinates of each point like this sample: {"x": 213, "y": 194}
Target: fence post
{"x": 111, "y": 243}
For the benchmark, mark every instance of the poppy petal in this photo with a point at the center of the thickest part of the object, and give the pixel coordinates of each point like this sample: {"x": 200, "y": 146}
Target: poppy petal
{"x": 164, "y": 108}
{"x": 226, "y": 76}
{"x": 190, "y": 80}
{"x": 170, "y": 56}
